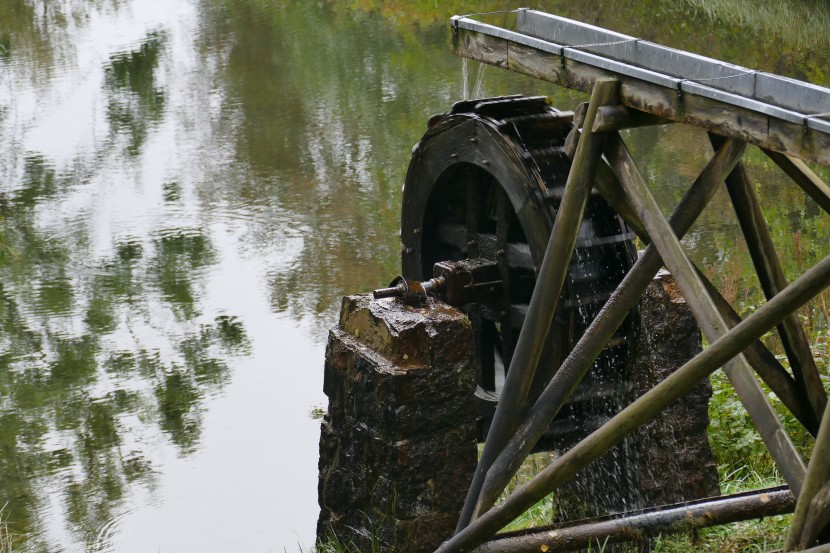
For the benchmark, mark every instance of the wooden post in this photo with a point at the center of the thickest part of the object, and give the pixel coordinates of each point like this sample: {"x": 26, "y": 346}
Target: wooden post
{"x": 545, "y": 296}
{"x": 799, "y": 292}
{"x": 818, "y": 516}
{"x": 771, "y": 276}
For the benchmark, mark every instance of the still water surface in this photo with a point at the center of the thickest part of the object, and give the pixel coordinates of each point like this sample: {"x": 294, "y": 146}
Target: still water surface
{"x": 186, "y": 189}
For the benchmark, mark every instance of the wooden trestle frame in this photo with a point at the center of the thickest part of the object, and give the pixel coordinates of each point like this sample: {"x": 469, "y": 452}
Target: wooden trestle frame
{"x": 621, "y": 99}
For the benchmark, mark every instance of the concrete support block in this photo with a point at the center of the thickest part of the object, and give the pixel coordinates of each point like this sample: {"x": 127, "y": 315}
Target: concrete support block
{"x": 398, "y": 444}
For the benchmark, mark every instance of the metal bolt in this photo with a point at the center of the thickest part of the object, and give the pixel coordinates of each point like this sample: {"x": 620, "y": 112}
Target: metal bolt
{"x": 484, "y": 162}
{"x": 474, "y": 140}
{"x": 454, "y": 156}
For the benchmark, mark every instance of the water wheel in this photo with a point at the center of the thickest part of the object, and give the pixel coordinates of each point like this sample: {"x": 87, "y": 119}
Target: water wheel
{"x": 486, "y": 182}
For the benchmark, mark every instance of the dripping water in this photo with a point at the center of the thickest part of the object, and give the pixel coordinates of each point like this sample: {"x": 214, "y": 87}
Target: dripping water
{"x": 465, "y": 94}
{"x": 473, "y": 91}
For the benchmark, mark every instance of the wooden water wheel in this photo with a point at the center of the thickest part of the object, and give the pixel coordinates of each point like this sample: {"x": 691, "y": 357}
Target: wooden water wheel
{"x": 486, "y": 182}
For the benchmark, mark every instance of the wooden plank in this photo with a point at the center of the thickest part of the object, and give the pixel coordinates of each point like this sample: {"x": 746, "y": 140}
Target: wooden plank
{"x": 527, "y": 61}
{"x": 724, "y": 119}
{"x": 738, "y": 122}
{"x": 481, "y": 47}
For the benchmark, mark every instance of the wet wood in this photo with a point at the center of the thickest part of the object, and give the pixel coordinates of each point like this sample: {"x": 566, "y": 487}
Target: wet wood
{"x": 731, "y": 121}
{"x": 711, "y": 322}
{"x": 640, "y": 526}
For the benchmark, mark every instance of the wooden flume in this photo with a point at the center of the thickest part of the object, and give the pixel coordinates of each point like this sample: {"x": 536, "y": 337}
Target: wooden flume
{"x": 626, "y": 99}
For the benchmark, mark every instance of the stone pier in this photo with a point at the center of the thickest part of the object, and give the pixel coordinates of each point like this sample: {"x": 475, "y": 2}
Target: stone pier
{"x": 672, "y": 458}
{"x": 398, "y": 444}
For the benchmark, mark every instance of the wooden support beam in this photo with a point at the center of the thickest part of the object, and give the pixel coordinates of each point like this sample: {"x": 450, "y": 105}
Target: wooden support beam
{"x": 615, "y": 118}
{"x": 603, "y": 327}
{"x": 543, "y": 302}
{"x": 771, "y": 275}
{"x": 675, "y": 386}
{"x": 818, "y": 516}
{"x": 803, "y": 177}
{"x": 766, "y": 365}
{"x": 640, "y": 526}
{"x": 818, "y": 476}
{"x": 711, "y": 322}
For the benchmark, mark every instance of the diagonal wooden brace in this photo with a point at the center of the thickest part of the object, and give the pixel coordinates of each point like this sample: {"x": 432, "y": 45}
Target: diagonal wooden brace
{"x": 771, "y": 276}
{"x": 803, "y": 176}
{"x": 802, "y": 529}
{"x": 711, "y": 322}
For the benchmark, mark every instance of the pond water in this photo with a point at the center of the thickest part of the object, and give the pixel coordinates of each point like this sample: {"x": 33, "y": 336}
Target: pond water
{"x": 187, "y": 187}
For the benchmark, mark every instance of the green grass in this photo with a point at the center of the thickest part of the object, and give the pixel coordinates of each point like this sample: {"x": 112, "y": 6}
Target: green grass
{"x": 799, "y": 22}
{"x": 6, "y": 545}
